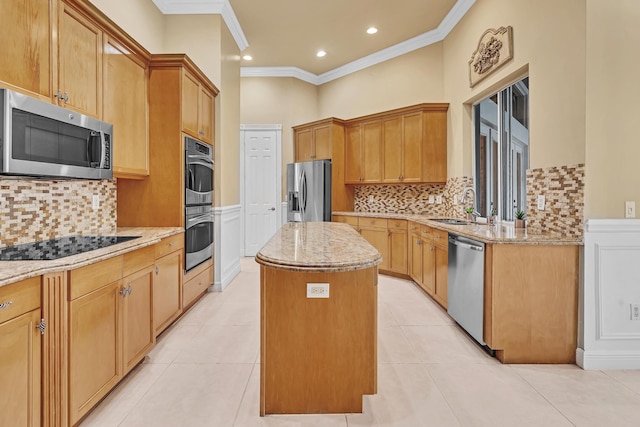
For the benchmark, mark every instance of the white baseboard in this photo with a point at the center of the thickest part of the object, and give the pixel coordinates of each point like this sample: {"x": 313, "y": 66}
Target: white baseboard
{"x": 604, "y": 360}
{"x": 227, "y": 246}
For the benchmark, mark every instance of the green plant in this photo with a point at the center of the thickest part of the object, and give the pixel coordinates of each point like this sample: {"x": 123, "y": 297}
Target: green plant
{"x": 469, "y": 211}
{"x": 520, "y": 214}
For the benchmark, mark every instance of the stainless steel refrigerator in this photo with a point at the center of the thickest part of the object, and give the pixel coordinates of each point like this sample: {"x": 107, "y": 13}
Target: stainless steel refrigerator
{"x": 309, "y": 191}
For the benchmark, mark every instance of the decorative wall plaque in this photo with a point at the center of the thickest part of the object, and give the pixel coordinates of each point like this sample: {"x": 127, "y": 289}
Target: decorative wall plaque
{"x": 495, "y": 48}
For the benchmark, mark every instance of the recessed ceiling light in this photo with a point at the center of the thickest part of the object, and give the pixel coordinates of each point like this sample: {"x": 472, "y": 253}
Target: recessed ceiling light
{"x": 321, "y": 53}
{"x": 372, "y": 30}
{"x": 247, "y": 57}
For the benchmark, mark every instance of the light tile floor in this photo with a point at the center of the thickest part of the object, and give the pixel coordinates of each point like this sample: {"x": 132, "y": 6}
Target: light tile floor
{"x": 204, "y": 371}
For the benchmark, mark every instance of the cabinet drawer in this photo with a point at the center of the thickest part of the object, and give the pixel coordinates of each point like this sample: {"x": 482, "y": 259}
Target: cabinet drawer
{"x": 351, "y": 220}
{"x": 197, "y": 286}
{"x": 137, "y": 260}
{"x": 426, "y": 231}
{"x": 414, "y": 227}
{"x": 441, "y": 238}
{"x": 87, "y": 279}
{"x": 19, "y": 298}
{"x": 372, "y": 222}
{"x": 397, "y": 224}
{"x": 169, "y": 244}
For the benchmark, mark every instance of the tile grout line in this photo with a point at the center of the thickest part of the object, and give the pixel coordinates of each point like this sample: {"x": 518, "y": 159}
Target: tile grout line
{"x": 442, "y": 394}
{"x": 620, "y": 382}
{"x": 542, "y": 395}
{"x": 244, "y": 393}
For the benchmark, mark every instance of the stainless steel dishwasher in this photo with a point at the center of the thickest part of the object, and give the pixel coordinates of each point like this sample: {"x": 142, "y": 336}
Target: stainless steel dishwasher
{"x": 466, "y": 284}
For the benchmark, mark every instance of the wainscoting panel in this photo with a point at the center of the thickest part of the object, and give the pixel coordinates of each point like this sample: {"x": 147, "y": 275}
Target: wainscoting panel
{"x": 611, "y": 288}
{"x": 227, "y": 237}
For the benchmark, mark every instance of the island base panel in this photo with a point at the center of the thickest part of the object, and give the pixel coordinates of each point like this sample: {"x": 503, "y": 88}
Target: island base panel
{"x": 317, "y": 355}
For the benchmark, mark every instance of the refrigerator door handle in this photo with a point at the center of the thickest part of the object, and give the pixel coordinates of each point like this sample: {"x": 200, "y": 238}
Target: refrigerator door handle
{"x": 303, "y": 193}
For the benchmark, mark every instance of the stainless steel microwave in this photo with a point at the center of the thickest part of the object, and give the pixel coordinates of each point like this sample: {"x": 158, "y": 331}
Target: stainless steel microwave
{"x": 39, "y": 139}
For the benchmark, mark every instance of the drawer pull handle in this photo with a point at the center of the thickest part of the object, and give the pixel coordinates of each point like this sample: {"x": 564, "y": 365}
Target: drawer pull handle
{"x": 5, "y": 305}
{"x": 174, "y": 243}
{"x": 42, "y": 326}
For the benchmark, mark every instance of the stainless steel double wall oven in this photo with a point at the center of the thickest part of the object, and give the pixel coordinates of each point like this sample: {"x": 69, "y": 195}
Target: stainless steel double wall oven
{"x": 198, "y": 195}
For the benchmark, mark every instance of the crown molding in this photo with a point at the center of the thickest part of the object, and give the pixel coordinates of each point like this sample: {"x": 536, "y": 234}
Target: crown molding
{"x": 294, "y": 72}
{"x": 200, "y": 7}
{"x": 223, "y": 7}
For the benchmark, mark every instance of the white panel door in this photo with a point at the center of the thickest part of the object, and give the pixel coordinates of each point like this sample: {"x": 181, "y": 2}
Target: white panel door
{"x": 260, "y": 186}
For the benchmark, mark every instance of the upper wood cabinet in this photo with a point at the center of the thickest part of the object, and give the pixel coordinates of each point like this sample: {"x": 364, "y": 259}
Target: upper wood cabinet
{"x": 26, "y": 29}
{"x": 79, "y": 85}
{"x": 363, "y": 153}
{"x": 197, "y": 107}
{"x": 315, "y": 141}
{"x": 408, "y": 145}
{"x": 126, "y": 107}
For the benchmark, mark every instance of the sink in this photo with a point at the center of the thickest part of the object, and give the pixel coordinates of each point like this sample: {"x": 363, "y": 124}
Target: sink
{"x": 450, "y": 221}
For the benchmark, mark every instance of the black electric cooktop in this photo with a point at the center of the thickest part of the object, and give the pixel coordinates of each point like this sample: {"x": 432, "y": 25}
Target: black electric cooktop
{"x": 59, "y": 248}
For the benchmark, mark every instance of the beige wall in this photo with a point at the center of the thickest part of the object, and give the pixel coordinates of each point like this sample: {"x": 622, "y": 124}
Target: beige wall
{"x": 141, "y": 19}
{"x": 406, "y": 80}
{"x": 549, "y": 46}
{"x": 613, "y": 93}
{"x": 278, "y": 100}
{"x": 227, "y": 188}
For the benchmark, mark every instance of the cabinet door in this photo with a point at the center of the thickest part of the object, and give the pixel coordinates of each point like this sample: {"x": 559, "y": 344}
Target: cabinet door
{"x": 190, "y": 104}
{"x": 322, "y": 142}
{"x": 94, "y": 348}
{"x": 79, "y": 62}
{"x": 412, "y": 147}
{"x": 398, "y": 251}
{"x": 379, "y": 239}
{"x": 303, "y": 145}
{"x": 125, "y": 106}
{"x": 352, "y": 155}
{"x": 415, "y": 258}
{"x": 166, "y": 290}
{"x": 372, "y": 152}
{"x": 20, "y": 353}
{"x": 138, "y": 334}
{"x": 441, "y": 275}
{"x": 205, "y": 114}
{"x": 435, "y": 146}
{"x": 428, "y": 266}
{"x": 392, "y": 149}
{"x": 25, "y": 28}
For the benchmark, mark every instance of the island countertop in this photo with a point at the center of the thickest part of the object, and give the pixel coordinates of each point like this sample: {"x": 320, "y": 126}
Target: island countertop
{"x": 318, "y": 247}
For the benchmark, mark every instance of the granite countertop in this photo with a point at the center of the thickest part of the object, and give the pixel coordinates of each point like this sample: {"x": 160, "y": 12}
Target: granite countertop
{"x": 498, "y": 233}
{"x": 14, "y": 271}
{"x": 318, "y": 247}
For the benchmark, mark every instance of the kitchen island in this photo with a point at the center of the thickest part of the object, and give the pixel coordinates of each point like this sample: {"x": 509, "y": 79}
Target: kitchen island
{"x": 318, "y": 319}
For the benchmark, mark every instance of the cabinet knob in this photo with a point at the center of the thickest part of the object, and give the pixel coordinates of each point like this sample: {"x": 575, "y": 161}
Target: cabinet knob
{"x": 431, "y": 248}
{"x": 5, "y": 305}
{"x": 201, "y": 132}
{"x": 123, "y": 292}
{"x": 58, "y": 94}
{"x": 42, "y": 326}
{"x": 418, "y": 242}
{"x": 157, "y": 270}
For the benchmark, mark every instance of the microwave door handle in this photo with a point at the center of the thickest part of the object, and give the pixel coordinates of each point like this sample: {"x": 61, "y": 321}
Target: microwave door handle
{"x": 103, "y": 151}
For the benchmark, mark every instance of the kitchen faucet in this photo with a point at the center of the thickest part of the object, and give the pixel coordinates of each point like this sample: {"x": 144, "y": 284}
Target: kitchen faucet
{"x": 463, "y": 198}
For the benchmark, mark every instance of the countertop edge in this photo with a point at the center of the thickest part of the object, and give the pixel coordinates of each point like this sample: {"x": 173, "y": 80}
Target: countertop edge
{"x": 543, "y": 240}
{"x": 38, "y": 268}
{"x": 267, "y": 262}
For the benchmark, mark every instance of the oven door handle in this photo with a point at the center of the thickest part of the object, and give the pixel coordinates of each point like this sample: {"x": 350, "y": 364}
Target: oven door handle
{"x": 199, "y": 220}
{"x": 203, "y": 163}
{"x": 200, "y": 157}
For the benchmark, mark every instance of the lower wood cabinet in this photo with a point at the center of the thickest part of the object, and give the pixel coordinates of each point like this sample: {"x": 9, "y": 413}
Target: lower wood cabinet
{"x": 389, "y": 237}
{"x": 138, "y": 332}
{"x": 428, "y": 260}
{"x": 94, "y": 347}
{"x": 167, "y": 282}
{"x": 20, "y": 354}
{"x": 197, "y": 284}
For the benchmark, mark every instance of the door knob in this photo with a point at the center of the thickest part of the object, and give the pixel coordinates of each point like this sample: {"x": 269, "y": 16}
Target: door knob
{"x": 272, "y": 209}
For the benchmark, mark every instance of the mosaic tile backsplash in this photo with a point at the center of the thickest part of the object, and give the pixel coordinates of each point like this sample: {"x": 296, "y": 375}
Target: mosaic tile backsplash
{"x": 34, "y": 210}
{"x": 409, "y": 198}
{"x": 563, "y": 188}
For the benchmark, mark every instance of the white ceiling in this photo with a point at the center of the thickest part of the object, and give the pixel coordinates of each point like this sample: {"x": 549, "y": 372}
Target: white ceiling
{"x": 283, "y": 36}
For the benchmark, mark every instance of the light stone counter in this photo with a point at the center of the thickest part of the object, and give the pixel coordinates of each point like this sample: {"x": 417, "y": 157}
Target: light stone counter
{"x": 318, "y": 247}
{"x": 14, "y": 271}
{"x": 498, "y": 233}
